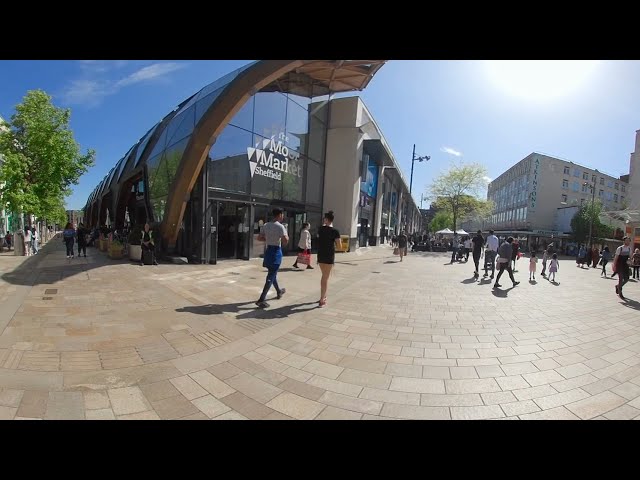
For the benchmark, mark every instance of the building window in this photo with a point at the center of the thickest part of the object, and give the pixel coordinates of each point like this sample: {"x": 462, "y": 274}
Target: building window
{"x": 617, "y": 186}
{"x": 601, "y": 181}
{"x": 585, "y": 187}
{"x": 601, "y": 193}
{"x": 566, "y": 170}
{"x": 623, "y": 188}
{"x": 585, "y": 176}
{"x": 576, "y": 172}
{"x": 564, "y": 198}
{"x": 593, "y": 179}
{"x": 575, "y": 187}
{"x": 565, "y": 183}
{"x": 615, "y": 197}
{"x": 621, "y": 199}
{"x": 610, "y": 184}
{"x": 582, "y": 201}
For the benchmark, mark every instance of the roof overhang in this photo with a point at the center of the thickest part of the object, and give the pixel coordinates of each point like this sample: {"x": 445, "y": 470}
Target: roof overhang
{"x": 315, "y": 78}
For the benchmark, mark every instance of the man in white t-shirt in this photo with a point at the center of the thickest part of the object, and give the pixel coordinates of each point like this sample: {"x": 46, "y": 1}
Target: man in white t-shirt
{"x": 274, "y": 234}
{"x": 468, "y": 245}
{"x": 491, "y": 250}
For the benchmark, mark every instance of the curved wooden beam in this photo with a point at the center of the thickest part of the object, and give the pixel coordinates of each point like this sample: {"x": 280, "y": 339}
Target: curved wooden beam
{"x": 215, "y": 119}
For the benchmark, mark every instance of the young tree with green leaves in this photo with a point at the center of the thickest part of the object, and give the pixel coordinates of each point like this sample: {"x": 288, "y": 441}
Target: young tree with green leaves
{"x": 582, "y": 219}
{"x": 458, "y": 191}
{"x": 440, "y": 221}
{"x": 41, "y": 157}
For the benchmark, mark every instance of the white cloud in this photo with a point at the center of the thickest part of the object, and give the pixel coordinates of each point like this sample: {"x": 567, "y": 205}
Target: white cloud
{"x": 487, "y": 179}
{"x": 451, "y": 151}
{"x": 149, "y": 73}
{"x": 90, "y": 90}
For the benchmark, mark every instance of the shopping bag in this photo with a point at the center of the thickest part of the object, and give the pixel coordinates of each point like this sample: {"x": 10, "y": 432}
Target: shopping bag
{"x": 396, "y": 251}
{"x": 304, "y": 258}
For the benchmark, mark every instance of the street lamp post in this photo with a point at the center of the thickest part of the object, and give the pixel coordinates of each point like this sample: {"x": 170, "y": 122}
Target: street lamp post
{"x": 413, "y": 159}
{"x": 593, "y": 199}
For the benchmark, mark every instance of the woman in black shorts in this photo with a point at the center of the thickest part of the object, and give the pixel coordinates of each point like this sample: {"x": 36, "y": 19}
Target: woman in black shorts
{"x": 328, "y": 240}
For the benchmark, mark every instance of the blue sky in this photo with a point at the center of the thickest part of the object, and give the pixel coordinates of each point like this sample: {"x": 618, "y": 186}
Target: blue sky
{"x": 494, "y": 113}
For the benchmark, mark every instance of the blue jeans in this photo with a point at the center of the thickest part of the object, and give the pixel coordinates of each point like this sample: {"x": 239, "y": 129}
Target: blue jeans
{"x": 271, "y": 280}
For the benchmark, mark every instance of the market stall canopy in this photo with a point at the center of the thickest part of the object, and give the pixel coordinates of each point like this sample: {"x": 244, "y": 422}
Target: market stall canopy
{"x": 461, "y": 232}
{"x": 446, "y": 231}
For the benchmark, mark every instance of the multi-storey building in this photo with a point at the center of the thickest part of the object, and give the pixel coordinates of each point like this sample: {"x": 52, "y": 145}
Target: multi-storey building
{"x": 528, "y": 196}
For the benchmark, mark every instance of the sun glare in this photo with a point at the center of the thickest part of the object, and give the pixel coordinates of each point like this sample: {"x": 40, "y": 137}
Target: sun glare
{"x": 540, "y": 80}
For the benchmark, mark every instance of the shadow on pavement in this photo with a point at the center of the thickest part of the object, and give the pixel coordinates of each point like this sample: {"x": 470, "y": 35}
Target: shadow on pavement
{"x": 501, "y": 293}
{"x": 533, "y": 282}
{"x": 485, "y": 281}
{"x": 631, "y": 304}
{"x": 553, "y": 282}
{"x": 31, "y": 273}
{"x": 469, "y": 280}
{"x": 248, "y": 309}
{"x": 389, "y": 261}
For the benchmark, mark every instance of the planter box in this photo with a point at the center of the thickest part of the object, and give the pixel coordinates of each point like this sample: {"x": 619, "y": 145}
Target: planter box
{"x": 103, "y": 245}
{"x": 135, "y": 252}
{"x": 115, "y": 253}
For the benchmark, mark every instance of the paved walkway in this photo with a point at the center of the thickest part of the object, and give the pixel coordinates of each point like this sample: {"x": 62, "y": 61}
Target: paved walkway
{"x": 101, "y": 339}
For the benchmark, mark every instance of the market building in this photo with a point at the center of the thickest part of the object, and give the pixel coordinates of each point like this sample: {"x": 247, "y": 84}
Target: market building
{"x": 270, "y": 134}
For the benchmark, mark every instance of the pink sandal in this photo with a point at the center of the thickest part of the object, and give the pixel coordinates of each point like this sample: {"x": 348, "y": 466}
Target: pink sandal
{"x": 322, "y": 302}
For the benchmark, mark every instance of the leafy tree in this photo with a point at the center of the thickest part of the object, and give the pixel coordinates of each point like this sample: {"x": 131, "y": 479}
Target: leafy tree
{"x": 41, "y": 157}
{"x": 582, "y": 219}
{"x": 440, "y": 221}
{"x": 457, "y": 192}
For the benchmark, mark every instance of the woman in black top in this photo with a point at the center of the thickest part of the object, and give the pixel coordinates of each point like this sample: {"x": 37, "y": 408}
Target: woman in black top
{"x": 402, "y": 244}
{"x": 328, "y": 240}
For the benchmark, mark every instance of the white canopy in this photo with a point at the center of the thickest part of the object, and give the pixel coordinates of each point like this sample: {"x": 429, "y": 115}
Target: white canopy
{"x": 461, "y": 232}
{"x": 446, "y": 231}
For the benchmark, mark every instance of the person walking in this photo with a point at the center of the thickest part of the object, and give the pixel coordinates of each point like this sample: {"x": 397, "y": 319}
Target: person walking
{"x": 515, "y": 248}
{"x": 402, "y": 244}
{"x": 582, "y": 256}
{"x": 35, "y": 239}
{"x": 67, "y": 237}
{"x": 504, "y": 262}
{"x": 621, "y": 262}
{"x": 554, "y": 265}
{"x": 274, "y": 234}
{"x": 490, "y": 253}
{"x": 304, "y": 245}
{"x": 468, "y": 246}
{"x": 606, "y": 258}
{"x": 328, "y": 240}
{"x": 635, "y": 263}
{"x": 477, "y": 243}
{"x": 454, "y": 248}
{"x": 595, "y": 256}
{"x": 81, "y": 236}
{"x": 27, "y": 241}
{"x": 533, "y": 262}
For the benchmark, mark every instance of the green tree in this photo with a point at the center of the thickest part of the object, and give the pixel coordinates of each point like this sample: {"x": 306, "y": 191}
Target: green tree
{"x": 41, "y": 157}
{"x": 440, "y": 221}
{"x": 457, "y": 192}
{"x": 582, "y": 219}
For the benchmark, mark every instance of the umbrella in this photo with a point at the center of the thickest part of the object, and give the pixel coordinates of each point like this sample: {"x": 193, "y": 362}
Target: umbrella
{"x": 461, "y": 232}
{"x": 126, "y": 216}
{"x": 446, "y": 231}
{"x": 108, "y": 221}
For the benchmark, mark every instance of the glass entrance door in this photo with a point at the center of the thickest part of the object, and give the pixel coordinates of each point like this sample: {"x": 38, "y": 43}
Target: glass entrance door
{"x": 229, "y": 231}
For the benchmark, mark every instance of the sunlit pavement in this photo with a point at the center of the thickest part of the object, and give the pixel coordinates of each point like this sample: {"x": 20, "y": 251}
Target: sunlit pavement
{"x": 97, "y": 338}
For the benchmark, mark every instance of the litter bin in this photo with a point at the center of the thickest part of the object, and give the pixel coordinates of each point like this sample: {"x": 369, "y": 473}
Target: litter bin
{"x": 344, "y": 244}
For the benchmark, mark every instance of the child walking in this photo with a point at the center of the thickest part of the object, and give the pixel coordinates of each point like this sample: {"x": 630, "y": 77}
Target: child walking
{"x": 533, "y": 261}
{"x": 553, "y": 267}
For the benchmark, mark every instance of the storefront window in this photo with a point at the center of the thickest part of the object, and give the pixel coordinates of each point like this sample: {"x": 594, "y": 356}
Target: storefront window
{"x": 270, "y": 114}
{"x": 228, "y": 162}
{"x": 297, "y": 127}
{"x": 244, "y": 117}
{"x": 181, "y": 125}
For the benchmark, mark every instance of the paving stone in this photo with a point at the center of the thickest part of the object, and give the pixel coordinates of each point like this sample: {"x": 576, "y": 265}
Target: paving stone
{"x": 514, "y": 382}
{"x": 420, "y": 385}
{"x": 7, "y": 413}
{"x": 476, "y": 413}
{"x": 33, "y": 404}
{"x": 563, "y": 398}
{"x": 210, "y": 406}
{"x": 388, "y": 396}
{"x": 65, "y": 406}
{"x": 558, "y": 413}
{"x": 128, "y": 400}
{"x": 96, "y": 400}
{"x": 596, "y": 405}
{"x": 600, "y": 386}
{"x": 461, "y": 373}
{"x": 188, "y": 387}
{"x": 483, "y": 385}
{"x": 10, "y": 397}
{"x": 147, "y": 415}
{"x": 542, "y": 378}
{"x": 446, "y": 400}
{"x": 100, "y": 414}
{"x": 393, "y": 410}
{"x": 211, "y": 384}
{"x": 625, "y": 412}
{"x": 322, "y": 368}
{"x": 335, "y": 386}
{"x": 365, "y": 379}
{"x": 333, "y": 413}
{"x": 498, "y": 398}
{"x": 349, "y": 403}
{"x": 296, "y": 406}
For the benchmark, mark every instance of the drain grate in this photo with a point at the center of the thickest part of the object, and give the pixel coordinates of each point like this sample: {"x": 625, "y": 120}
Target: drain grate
{"x": 51, "y": 291}
{"x": 47, "y": 298}
{"x": 254, "y": 325}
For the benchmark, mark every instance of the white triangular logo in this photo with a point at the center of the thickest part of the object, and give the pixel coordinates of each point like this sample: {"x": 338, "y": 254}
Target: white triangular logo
{"x": 252, "y": 167}
{"x": 250, "y": 152}
{"x": 265, "y": 143}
